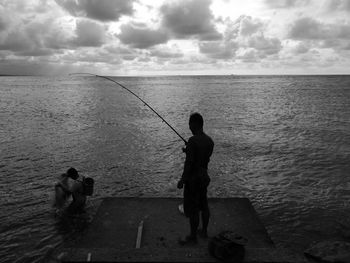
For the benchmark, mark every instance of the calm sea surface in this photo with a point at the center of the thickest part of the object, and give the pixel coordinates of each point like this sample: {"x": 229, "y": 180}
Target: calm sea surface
{"x": 282, "y": 141}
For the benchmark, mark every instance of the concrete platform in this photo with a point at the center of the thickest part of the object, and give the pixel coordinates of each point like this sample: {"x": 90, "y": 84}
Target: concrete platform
{"x": 112, "y": 234}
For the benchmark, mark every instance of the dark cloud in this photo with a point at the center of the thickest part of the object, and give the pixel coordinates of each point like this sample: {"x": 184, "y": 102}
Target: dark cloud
{"x": 191, "y": 18}
{"x": 166, "y": 53}
{"x": 286, "y": 3}
{"x": 37, "y": 52}
{"x": 268, "y": 45}
{"x": 2, "y": 24}
{"x": 246, "y": 33}
{"x": 338, "y": 5}
{"x": 117, "y": 49}
{"x": 248, "y": 26}
{"x": 308, "y": 28}
{"x": 25, "y": 67}
{"x": 58, "y": 39}
{"x": 249, "y": 56}
{"x": 3, "y": 20}
{"x": 301, "y": 48}
{"x": 124, "y": 53}
{"x": 16, "y": 41}
{"x": 43, "y": 67}
{"x": 218, "y": 50}
{"x": 42, "y": 6}
{"x": 34, "y": 37}
{"x": 243, "y": 26}
{"x": 142, "y": 37}
{"x": 335, "y": 44}
{"x": 103, "y": 10}
{"x": 90, "y": 56}
{"x": 330, "y": 43}
{"x": 89, "y": 34}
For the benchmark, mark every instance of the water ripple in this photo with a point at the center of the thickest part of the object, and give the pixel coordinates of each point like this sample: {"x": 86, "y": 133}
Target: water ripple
{"x": 281, "y": 141}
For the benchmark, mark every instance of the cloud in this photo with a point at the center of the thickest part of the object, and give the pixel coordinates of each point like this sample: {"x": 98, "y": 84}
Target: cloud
{"x": 103, "y": 10}
{"x": 29, "y": 39}
{"x": 245, "y": 33}
{"x": 218, "y": 50}
{"x": 192, "y": 18}
{"x": 43, "y": 38}
{"x": 286, "y": 3}
{"x": 248, "y": 26}
{"x": 3, "y": 19}
{"x": 338, "y": 5}
{"x": 16, "y": 41}
{"x": 25, "y": 67}
{"x": 141, "y": 37}
{"x": 309, "y": 28}
{"x": 28, "y": 34}
{"x": 89, "y": 34}
{"x": 244, "y": 26}
{"x": 40, "y": 36}
{"x": 91, "y": 56}
{"x": 124, "y": 53}
{"x": 37, "y": 52}
{"x": 301, "y": 48}
{"x": 248, "y": 55}
{"x": 269, "y": 46}
{"x": 166, "y": 53}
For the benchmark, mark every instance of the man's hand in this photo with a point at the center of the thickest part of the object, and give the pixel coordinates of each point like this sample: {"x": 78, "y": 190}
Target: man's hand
{"x": 180, "y": 184}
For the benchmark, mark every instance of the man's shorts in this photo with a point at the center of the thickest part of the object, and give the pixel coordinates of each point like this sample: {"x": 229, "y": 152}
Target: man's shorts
{"x": 195, "y": 195}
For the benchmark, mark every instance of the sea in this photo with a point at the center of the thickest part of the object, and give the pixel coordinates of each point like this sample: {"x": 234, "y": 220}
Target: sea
{"x": 281, "y": 141}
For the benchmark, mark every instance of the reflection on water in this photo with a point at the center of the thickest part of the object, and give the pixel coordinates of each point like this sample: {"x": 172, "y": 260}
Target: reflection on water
{"x": 283, "y": 142}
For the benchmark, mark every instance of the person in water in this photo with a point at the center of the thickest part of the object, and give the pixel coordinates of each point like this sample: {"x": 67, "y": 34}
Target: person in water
{"x": 195, "y": 178}
{"x": 76, "y": 189}
{"x": 62, "y": 189}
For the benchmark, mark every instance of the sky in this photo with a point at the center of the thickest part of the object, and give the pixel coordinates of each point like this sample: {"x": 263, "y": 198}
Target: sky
{"x": 174, "y": 37}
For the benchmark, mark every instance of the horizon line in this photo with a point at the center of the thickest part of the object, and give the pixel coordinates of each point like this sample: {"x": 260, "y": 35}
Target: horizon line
{"x": 174, "y": 75}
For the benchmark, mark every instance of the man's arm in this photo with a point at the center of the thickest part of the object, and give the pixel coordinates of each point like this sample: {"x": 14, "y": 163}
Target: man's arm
{"x": 63, "y": 182}
{"x": 76, "y": 187}
{"x": 189, "y": 162}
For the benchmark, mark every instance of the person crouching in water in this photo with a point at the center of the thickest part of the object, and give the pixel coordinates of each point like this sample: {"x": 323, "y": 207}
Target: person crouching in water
{"x": 64, "y": 189}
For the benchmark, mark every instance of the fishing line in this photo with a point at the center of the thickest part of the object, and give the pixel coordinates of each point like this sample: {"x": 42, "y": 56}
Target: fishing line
{"x": 107, "y": 78}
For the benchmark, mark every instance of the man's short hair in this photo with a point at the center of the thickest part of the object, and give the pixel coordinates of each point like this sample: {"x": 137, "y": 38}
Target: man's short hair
{"x": 197, "y": 119}
{"x": 72, "y": 173}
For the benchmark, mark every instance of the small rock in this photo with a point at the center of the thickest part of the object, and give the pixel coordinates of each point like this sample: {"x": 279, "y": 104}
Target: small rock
{"x": 330, "y": 251}
{"x": 62, "y": 256}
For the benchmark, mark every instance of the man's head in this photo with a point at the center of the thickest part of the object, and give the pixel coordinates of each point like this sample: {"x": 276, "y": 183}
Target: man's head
{"x": 72, "y": 173}
{"x": 196, "y": 122}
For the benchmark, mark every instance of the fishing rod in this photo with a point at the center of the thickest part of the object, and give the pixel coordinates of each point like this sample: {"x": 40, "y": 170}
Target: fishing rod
{"x": 110, "y": 79}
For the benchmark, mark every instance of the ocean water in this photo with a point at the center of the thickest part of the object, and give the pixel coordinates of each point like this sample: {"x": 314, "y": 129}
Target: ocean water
{"x": 281, "y": 141}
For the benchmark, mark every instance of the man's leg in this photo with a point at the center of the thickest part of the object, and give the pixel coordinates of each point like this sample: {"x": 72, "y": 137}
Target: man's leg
{"x": 194, "y": 223}
{"x": 205, "y": 222}
{"x": 192, "y": 212}
{"x": 205, "y": 213}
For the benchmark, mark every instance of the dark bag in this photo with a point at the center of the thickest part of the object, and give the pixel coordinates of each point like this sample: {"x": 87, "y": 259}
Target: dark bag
{"x": 88, "y": 185}
{"x": 227, "y": 246}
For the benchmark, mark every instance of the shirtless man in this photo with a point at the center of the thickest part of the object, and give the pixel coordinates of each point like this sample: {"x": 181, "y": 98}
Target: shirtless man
{"x": 64, "y": 189}
{"x": 195, "y": 178}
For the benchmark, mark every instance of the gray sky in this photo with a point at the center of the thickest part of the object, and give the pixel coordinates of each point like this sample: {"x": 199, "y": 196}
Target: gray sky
{"x": 148, "y": 37}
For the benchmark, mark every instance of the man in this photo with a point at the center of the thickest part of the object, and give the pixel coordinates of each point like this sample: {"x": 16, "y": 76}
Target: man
{"x": 195, "y": 178}
{"x": 77, "y": 190}
{"x": 63, "y": 190}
